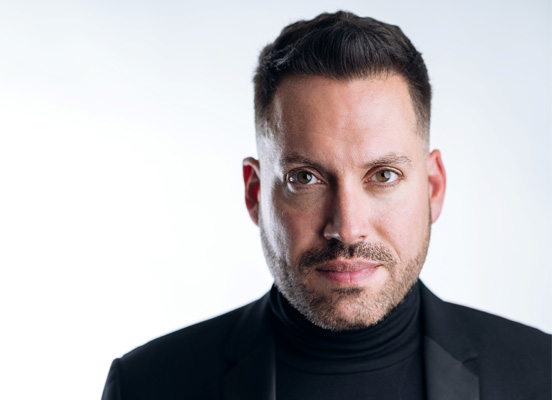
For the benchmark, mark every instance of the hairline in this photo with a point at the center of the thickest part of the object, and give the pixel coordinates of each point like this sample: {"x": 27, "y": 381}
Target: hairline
{"x": 263, "y": 119}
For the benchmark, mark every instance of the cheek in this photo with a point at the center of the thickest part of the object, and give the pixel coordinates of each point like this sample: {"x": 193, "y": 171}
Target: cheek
{"x": 294, "y": 228}
{"x": 404, "y": 225}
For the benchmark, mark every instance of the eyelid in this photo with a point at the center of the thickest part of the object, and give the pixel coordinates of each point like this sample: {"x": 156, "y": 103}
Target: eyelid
{"x": 374, "y": 171}
{"x": 295, "y": 171}
{"x": 370, "y": 175}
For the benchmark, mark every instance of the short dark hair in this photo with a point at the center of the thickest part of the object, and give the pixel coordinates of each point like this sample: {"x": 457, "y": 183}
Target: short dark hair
{"x": 342, "y": 46}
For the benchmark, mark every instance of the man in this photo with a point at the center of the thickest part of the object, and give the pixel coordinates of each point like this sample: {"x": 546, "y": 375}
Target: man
{"x": 344, "y": 193}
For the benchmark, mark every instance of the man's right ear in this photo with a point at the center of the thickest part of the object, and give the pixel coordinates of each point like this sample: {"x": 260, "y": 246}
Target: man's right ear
{"x": 252, "y": 181}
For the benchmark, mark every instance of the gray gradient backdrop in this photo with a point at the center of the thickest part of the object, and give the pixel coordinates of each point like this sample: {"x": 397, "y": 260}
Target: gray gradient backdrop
{"x": 122, "y": 129}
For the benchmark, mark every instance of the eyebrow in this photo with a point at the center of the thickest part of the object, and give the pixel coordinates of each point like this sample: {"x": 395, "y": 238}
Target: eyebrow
{"x": 388, "y": 159}
{"x": 295, "y": 158}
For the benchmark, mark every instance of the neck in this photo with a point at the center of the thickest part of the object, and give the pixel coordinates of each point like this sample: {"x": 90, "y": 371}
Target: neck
{"x": 300, "y": 342}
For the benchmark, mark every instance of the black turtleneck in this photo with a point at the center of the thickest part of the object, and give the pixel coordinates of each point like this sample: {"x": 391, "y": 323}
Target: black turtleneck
{"x": 383, "y": 361}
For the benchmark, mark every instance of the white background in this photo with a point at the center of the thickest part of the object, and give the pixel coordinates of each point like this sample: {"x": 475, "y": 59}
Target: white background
{"x": 122, "y": 129}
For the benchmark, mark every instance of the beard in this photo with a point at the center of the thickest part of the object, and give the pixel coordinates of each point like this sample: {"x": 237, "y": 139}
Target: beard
{"x": 349, "y": 308}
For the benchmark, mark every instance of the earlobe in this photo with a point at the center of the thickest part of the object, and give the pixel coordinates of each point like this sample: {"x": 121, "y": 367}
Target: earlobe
{"x": 252, "y": 181}
{"x": 437, "y": 183}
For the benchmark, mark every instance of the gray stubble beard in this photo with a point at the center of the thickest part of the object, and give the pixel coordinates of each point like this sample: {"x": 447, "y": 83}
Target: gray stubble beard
{"x": 369, "y": 308}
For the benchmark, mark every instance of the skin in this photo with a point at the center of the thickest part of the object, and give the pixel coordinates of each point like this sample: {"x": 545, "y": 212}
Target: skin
{"x": 344, "y": 193}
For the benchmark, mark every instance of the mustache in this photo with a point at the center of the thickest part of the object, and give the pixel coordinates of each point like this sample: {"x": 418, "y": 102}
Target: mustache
{"x": 336, "y": 249}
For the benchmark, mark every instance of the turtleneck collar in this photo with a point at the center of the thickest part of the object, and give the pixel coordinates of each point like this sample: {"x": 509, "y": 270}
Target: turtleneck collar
{"x": 308, "y": 347}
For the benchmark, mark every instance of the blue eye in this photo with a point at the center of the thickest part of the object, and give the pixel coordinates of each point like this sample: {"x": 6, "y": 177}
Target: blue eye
{"x": 302, "y": 177}
{"x": 385, "y": 176}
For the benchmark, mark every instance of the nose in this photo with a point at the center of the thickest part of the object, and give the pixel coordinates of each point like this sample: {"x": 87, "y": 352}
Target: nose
{"x": 347, "y": 219}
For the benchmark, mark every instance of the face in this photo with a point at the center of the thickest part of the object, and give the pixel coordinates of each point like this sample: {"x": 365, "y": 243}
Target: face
{"x": 344, "y": 194}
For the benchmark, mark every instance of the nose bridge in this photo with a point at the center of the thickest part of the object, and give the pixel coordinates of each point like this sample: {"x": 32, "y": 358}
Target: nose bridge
{"x": 348, "y": 214}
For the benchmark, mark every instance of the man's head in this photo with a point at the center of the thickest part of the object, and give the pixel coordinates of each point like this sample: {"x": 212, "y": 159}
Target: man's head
{"x": 344, "y": 191}
{"x": 341, "y": 46}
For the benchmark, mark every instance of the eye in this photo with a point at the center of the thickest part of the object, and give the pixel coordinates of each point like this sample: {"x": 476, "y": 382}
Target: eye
{"x": 302, "y": 177}
{"x": 385, "y": 176}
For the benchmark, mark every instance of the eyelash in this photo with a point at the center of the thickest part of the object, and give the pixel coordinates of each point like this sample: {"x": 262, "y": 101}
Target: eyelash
{"x": 291, "y": 177}
{"x": 386, "y": 184}
{"x": 292, "y": 180}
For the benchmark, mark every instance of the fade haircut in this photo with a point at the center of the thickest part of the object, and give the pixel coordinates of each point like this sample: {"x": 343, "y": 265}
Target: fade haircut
{"x": 341, "y": 46}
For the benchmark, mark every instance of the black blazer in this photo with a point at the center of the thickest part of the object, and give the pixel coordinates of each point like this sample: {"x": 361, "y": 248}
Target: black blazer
{"x": 468, "y": 355}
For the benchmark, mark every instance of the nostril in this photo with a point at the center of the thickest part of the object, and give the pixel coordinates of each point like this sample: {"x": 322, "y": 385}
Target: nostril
{"x": 347, "y": 218}
{"x": 349, "y": 233}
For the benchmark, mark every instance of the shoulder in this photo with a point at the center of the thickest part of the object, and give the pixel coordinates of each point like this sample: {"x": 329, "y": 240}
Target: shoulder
{"x": 188, "y": 362}
{"x": 500, "y": 329}
{"x": 491, "y": 333}
{"x": 509, "y": 355}
{"x": 205, "y": 338}
{"x": 484, "y": 329}
{"x": 504, "y": 341}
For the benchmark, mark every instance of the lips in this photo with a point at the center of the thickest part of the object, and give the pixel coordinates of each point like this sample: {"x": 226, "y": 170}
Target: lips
{"x": 347, "y": 271}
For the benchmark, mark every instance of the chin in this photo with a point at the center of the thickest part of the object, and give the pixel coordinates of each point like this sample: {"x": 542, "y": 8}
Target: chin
{"x": 342, "y": 309}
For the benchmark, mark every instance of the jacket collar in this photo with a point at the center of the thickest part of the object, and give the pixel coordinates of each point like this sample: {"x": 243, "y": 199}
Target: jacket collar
{"x": 450, "y": 360}
{"x": 449, "y": 356}
{"x": 251, "y": 346}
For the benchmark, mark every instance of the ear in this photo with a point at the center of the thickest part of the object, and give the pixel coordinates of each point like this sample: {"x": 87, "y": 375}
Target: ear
{"x": 252, "y": 181}
{"x": 437, "y": 183}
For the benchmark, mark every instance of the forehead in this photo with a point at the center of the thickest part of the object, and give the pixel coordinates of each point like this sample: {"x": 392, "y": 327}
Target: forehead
{"x": 328, "y": 116}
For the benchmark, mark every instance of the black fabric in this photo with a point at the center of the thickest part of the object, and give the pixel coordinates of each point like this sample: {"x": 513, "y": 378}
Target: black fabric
{"x": 232, "y": 357}
{"x": 381, "y": 361}
{"x": 403, "y": 380}
{"x": 308, "y": 347}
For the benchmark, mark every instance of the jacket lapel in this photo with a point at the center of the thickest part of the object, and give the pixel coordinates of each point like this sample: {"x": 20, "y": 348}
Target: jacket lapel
{"x": 450, "y": 359}
{"x": 251, "y": 347}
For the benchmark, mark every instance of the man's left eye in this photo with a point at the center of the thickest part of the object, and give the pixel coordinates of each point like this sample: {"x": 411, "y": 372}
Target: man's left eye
{"x": 385, "y": 176}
